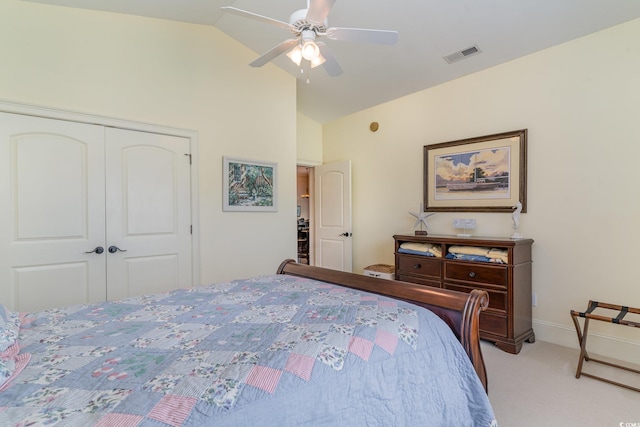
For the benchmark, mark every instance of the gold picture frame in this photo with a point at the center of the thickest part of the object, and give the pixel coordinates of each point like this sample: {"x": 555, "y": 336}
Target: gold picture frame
{"x": 482, "y": 174}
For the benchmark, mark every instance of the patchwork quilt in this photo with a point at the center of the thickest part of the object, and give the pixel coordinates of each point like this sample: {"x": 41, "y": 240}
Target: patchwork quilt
{"x": 272, "y": 350}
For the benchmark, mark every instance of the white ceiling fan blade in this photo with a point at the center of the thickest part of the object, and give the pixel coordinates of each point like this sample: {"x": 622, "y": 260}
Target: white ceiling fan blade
{"x": 257, "y": 17}
{"x": 330, "y": 64}
{"x": 275, "y": 52}
{"x": 318, "y": 10}
{"x": 362, "y": 35}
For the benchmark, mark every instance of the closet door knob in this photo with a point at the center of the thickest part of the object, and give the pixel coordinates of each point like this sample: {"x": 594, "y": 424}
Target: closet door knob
{"x": 114, "y": 249}
{"x": 98, "y": 250}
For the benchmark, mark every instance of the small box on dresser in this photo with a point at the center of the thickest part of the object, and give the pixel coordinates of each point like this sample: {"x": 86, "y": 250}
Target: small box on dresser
{"x": 507, "y": 320}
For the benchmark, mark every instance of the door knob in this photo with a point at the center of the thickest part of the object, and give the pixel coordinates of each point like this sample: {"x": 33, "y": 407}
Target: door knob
{"x": 98, "y": 250}
{"x": 114, "y": 249}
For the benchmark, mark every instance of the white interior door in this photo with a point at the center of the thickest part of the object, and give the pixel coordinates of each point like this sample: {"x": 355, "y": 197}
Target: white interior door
{"x": 333, "y": 244}
{"x": 148, "y": 213}
{"x": 52, "y": 214}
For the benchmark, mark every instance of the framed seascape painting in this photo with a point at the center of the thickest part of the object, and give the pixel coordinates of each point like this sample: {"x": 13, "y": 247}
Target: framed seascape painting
{"x": 249, "y": 185}
{"x": 483, "y": 174}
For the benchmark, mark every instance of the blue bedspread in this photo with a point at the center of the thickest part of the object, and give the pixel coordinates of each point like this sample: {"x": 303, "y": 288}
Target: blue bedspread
{"x": 269, "y": 351}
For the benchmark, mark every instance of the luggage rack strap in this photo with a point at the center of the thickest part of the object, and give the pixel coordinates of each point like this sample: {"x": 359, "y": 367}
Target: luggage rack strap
{"x": 619, "y": 319}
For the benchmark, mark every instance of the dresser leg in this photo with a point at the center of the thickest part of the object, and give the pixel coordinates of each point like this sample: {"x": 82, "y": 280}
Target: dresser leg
{"x": 532, "y": 338}
{"x": 510, "y": 348}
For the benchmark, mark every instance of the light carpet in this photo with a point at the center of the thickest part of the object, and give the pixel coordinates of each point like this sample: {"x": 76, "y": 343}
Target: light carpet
{"x": 538, "y": 387}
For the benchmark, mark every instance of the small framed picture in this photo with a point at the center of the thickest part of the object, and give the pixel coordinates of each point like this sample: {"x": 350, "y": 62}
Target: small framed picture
{"x": 249, "y": 185}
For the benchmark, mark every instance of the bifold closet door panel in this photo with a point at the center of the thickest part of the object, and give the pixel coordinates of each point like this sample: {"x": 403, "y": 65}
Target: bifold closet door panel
{"x": 52, "y": 216}
{"x": 148, "y": 213}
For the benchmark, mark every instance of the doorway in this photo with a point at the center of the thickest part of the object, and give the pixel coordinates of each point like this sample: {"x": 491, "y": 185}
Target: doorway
{"x": 304, "y": 218}
{"x": 324, "y": 215}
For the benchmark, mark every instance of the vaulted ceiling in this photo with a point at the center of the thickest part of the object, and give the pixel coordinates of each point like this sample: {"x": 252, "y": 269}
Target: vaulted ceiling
{"x": 428, "y": 30}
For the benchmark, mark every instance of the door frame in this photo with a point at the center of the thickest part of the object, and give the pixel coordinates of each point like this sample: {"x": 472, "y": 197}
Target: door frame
{"x": 50, "y": 113}
{"x": 311, "y": 186}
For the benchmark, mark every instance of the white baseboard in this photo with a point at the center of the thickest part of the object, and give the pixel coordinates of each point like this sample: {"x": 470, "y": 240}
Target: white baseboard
{"x": 597, "y": 343}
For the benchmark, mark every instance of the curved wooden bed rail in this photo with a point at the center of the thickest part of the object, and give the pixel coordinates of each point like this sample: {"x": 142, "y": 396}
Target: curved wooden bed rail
{"x": 461, "y": 311}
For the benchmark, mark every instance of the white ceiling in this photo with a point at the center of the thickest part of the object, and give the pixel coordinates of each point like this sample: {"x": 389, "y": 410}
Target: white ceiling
{"x": 428, "y": 30}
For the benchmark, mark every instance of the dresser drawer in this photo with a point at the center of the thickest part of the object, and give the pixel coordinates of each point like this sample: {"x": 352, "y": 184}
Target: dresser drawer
{"x": 494, "y": 275}
{"x": 418, "y": 280}
{"x": 493, "y": 324}
{"x": 419, "y": 265}
{"x": 497, "y": 299}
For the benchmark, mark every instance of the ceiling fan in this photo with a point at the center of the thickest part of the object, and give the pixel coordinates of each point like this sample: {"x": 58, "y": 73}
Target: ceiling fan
{"x": 307, "y": 26}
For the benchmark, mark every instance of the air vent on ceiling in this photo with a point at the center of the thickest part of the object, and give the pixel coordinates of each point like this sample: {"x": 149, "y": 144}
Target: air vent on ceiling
{"x": 461, "y": 54}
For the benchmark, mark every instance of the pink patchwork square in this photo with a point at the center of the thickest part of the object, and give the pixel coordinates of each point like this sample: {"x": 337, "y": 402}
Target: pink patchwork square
{"x": 368, "y": 298}
{"x": 361, "y": 347}
{"x": 173, "y": 410}
{"x": 119, "y": 420}
{"x": 300, "y": 365}
{"x": 264, "y": 378}
{"x": 387, "y": 341}
{"x": 386, "y": 303}
{"x": 338, "y": 291}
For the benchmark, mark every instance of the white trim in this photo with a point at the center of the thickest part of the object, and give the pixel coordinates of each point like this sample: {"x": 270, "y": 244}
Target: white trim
{"x": 50, "y": 113}
{"x": 309, "y": 163}
{"x": 597, "y": 343}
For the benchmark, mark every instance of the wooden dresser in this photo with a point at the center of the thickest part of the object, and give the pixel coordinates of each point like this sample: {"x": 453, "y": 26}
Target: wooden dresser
{"x": 507, "y": 321}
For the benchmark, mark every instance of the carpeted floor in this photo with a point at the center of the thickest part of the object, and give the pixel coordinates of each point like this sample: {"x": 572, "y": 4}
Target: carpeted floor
{"x": 538, "y": 388}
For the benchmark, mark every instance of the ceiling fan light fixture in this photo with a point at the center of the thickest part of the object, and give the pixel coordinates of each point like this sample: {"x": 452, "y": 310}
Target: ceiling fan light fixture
{"x": 310, "y": 50}
{"x": 318, "y": 60}
{"x": 295, "y": 55}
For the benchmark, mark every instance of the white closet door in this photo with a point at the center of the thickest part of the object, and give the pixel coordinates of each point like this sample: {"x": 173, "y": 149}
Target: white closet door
{"x": 148, "y": 213}
{"x": 52, "y": 215}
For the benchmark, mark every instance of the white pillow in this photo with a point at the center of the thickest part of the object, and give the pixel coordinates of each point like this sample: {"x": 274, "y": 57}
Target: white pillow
{"x": 9, "y": 328}
{"x": 11, "y": 363}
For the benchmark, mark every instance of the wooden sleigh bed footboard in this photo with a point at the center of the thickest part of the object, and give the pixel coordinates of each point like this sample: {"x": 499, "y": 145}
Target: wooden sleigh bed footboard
{"x": 461, "y": 311}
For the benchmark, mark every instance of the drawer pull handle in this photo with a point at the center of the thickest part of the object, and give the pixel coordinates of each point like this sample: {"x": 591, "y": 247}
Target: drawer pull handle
{"x": 417, "y": 266}
{"x": 472, "y": 274}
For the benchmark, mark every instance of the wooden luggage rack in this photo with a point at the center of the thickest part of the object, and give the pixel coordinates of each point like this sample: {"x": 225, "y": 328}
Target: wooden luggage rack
{"x": 582, "y": 336}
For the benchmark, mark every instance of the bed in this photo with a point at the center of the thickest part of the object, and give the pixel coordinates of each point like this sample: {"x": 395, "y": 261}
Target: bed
{"x": 304, "y": 346}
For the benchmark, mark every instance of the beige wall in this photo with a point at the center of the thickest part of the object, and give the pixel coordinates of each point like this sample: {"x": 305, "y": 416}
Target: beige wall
{"x": 171, "y": 74}
{"x": 580, "y": 102}
{"x": 309, "y": 141}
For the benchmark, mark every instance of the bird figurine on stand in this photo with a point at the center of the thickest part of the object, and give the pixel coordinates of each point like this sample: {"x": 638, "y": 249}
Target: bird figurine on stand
{"x": 516, "y": 220}
{"x": 421, "y": 219}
